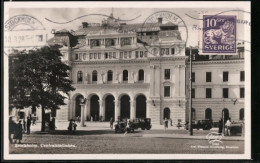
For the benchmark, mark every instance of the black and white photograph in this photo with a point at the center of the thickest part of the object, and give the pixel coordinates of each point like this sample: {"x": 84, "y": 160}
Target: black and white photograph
{"x": 127, "y": 80}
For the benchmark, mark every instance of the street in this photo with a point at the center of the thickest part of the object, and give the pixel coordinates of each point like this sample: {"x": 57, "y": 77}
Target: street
{"x": 98, "y": 138}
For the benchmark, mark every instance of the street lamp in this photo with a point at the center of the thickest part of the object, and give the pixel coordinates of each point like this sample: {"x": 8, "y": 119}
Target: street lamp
{"x": 190, "y": 106}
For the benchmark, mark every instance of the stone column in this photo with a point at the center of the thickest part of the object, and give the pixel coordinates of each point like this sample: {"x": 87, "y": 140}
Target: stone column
{"x": 117, "y": 109}
{"x": 101, "y": 108}
{"x": 132, "y": 109}
{"x": 82, "y": 115}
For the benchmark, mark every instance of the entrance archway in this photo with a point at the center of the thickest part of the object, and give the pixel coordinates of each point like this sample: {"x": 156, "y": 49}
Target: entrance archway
{"x": 141, "y": 106}
{"x": 94, "y": 107}
{"x": 109, "y": 108}
{"x": 125, "y": 107}
{"x": 78, "y": 107}
{"x": 226, "y": 114}
{"x": 166, "y": 113}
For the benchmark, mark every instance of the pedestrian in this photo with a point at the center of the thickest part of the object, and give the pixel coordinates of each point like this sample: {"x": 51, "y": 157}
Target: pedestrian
{"x": 24, "y": 125}
{"x": 165, "y": 123}
{"x": 52, "y": 127}
{"x": 18, "y": 134}
{"x": 28, "y": 125}
{"x": 91, "y": 119}
{"x": 78, "y": 119}
{"x": 11, "y": 129}
{"x": 171, "y": 121}
{"x": 127, "y": 127}
{"x": 111, "y": 122}
{"x": 75, "y": 126}
{"x": 228, "y": 123}
{"x": 179, "y": 125}
{"x": 70, "y": 126}
{"x": 220, "y": 125}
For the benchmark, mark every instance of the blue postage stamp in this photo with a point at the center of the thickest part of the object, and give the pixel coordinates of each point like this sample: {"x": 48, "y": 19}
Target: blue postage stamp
{"x": 219, "y": 34}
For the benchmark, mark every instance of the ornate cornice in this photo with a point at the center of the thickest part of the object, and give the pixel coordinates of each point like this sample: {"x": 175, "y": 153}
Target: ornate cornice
{"x": 113, "y": 86}
{"x": 108, "y": 62}
{"x": 218, "y": 61}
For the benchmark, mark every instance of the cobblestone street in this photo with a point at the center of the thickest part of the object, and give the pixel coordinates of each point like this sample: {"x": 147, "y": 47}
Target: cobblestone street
{"x": 99, "y": 138}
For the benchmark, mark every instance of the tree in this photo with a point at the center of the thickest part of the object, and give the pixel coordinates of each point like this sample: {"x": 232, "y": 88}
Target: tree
{"x": 38, "y": 78}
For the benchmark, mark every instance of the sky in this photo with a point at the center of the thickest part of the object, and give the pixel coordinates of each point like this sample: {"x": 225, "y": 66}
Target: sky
{"x": 140, "y": 14}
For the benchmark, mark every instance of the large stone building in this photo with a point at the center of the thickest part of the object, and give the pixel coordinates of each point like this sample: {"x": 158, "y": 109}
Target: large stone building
{"x": 135, "y": 70}
{"x": 120, "y": 76}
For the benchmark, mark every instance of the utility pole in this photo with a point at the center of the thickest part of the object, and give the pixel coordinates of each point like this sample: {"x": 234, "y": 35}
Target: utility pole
{"x": 190, "y": 106}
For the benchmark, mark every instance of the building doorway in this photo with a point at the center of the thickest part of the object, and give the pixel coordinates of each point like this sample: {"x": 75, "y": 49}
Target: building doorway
{"x": 109, "y": 108}
{"x": 78, "y": 107}
{"x": 125, "y": 107}
{"x": 94, "y": 108}
{"x": 141, "y": 106}
{"x": 166, "y": 113}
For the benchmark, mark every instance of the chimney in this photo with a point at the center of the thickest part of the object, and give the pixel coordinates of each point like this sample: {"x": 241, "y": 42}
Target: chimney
{"x": 84, "y": 24}
{"x": 160, "y": 20}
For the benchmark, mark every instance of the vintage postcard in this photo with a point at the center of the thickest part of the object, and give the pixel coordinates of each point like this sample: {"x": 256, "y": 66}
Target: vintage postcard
{"x": 127, "y": 80}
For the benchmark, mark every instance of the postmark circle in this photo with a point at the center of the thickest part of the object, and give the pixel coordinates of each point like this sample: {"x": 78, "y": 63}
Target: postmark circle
{"x": 163, "y": 26}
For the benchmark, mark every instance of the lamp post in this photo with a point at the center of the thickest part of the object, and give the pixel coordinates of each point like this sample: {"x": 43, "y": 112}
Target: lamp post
{"x": 82, "y": 104}
{"x": 190, "y": 106}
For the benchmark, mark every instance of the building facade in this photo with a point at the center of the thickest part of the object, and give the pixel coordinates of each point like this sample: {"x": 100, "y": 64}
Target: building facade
{"x": 134, "y": 70}
{"x": 120, "y": 76}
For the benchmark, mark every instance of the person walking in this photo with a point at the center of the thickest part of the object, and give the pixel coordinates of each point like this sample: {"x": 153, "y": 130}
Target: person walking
{"x": 171, "y": 122}
{"x": 11, "y": 129}
{"x": 74, "y": 127}
{"x": 70, "y": 126}
{"x": 24, "y": 125}
{"x": 127, "y": 127}
{"x": 18, "y": 134}
{"x": 165, "y": 124}
{"x": 111, "y": 122}
{"x": 28, "y": 125}
{"x": 228, "y": 124}
{"x": 220, "y": 125}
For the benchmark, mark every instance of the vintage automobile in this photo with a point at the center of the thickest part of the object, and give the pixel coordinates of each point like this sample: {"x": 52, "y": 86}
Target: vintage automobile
{"x": 134, "y": 124}
{"x": 205, "y": 124}
{"x": 120, "y": 126}
{"x": 143, "y": 123}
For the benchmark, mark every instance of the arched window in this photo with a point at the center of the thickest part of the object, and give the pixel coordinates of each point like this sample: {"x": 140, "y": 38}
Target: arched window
{"x": 125, "y": 75}
{"x": 141, "y": 75}
{"x": 208, "y": 113}
{"x": 79, "y": 76}
{"x": 109, "y": 75}
{"x": 241, "y": 114}
{"x": 193, "y": 113}
{"x": 94, "y": 76}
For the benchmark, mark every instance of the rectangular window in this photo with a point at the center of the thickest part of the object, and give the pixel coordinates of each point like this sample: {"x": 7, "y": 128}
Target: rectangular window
{"x": 193, "y": 93}
{"x": 225, "y": 76}
{"x": 167, "y": 91}
{"x": 114, "y": 54}
{"x": 162, "y": 51}
{"x": 136, "y": 54}
{"x": 225, "y": 92}
{"x": 167, "y": 51}
{"x": 208, "y": 76}
{"x": 90, "y": 55}
{"x": 242, "y": 75}
{"x": 130, "y": 54}
{"x": 193, "y": 77}
{"x": 173, "y": 51}
{"x": 121, "y": 54}
{"x": 242, "y": 92}
{"x": 167, "y": 74}
{"x": 208, "y": 92}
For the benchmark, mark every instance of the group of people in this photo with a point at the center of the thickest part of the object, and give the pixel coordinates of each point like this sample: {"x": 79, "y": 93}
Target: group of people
{"x": 72, "y": 126}
{"x": 166, "y": 121}
{"x": 226, "y": 126}
{"x": 16, "y": 130}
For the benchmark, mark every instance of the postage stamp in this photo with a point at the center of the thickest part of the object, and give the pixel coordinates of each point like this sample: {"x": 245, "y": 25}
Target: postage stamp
{"x": 219, "y": 34}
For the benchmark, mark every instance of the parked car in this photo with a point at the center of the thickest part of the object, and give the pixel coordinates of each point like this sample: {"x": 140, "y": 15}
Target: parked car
{"x": 121, "y": 125}
{"x": 143, "y": 123}
{"x": 236, "y": 128}
{"x": 205, "y": 124}
{"x": 134, "y": 124}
